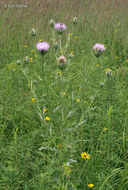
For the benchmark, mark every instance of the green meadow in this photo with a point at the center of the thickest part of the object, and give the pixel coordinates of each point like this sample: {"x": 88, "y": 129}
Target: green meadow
{"x": 63, "y": 126}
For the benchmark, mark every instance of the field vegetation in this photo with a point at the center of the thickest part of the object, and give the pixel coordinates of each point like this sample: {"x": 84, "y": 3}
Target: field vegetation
{"x": 63, "y": 124}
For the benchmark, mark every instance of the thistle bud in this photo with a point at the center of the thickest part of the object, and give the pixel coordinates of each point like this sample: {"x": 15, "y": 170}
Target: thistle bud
{"x": 51, "y": 23}
{"x": 75, "y": 20}
{"x": 33, "y": 32}
{"x": 26, "y": 59}
{"x": 18, "y": 62}
{"x": 101, "y": 84}
{"x": 62, "y": 60}
{"x": 108, "y": 72}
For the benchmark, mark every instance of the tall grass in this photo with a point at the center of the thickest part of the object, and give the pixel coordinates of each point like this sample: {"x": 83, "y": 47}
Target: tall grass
{"x": 87, "y": 109}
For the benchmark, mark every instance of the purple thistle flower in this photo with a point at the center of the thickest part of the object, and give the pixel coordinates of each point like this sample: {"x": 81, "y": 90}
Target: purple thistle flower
{"x": 99, "y": 47}
{"x": 60, "y": 27}
{"x": 42, "y": 46}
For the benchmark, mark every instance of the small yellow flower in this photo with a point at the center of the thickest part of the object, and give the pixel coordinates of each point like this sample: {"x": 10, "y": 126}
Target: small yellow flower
{"x": 26, "y": 46}
{"x": 70, "y": 35}
{"x": 77, "y": 100}
{"x": 71, "y": 54}
{"x": 33, "y": 99}
{"x": 90, "y": 185}
{"x": 76, "y": 37}
{"x": 12, "y": 64}
{"x": 47, "y": 118}
{"x": 31, "y": 60}
{"x": 44, "y": 110}
{"x": 63, "y": 93}
{"x": 85, "y": 156}
{"x": 127, "y": 61}
{"x": 105, "y": 129}
{"x": 117, "y": 57}
{"x": 40, "y": 40}
{"x": 58, "y": 72}
{"x": 28, "y": 85}
{"x": 108, "y": 70}
{"x": 97, "y": 65}
{"x": 67, "y": 170}
{"x": 61, "y": 51}
{"x": 59, "y": 145}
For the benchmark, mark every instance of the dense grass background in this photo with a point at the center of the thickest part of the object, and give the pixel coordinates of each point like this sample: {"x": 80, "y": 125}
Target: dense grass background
{"x": 88, "y": 110}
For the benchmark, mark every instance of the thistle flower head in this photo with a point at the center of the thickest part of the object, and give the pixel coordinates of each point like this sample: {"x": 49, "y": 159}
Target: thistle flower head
{"x": 62, "y": 60}
{"x": 42, "y": 46}
{"x": 60, "y": 27}
{"x": 99, "y": 47}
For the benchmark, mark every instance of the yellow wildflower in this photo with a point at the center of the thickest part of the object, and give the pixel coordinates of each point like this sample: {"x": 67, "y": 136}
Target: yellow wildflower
{"x": 25, "y": 46}
{"x": 47, "y": 118}
{"x": 127, "y": 61}
{"x": 90, "y": 185}
{"x": 108, "y": 70}
{"x": 59, "y": 145}
{"x": 28, "y": 85}
{"x": 105, "y": 129}
{"x": 58, "y": 72}
{"x": 117, "y": 57}
{"x": 71, "y": 54}
{"x": 31, "y": 59}
{"x": 97, "y": 65}
{"x": 76, "y": 37}
{"x": 77, "y": 100}
{"x": 67, "y": 170}
{"x": 61, "y": 51}
{"x": 70, "y": 35}
{"x": 12, "y": 64}
{"x": 44, "y": 110}
{"x": 33, "y": 99}
{"x": 85, "y": 155}
{"x": 40, "y": 40}
{"x": 63, "y": 93}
